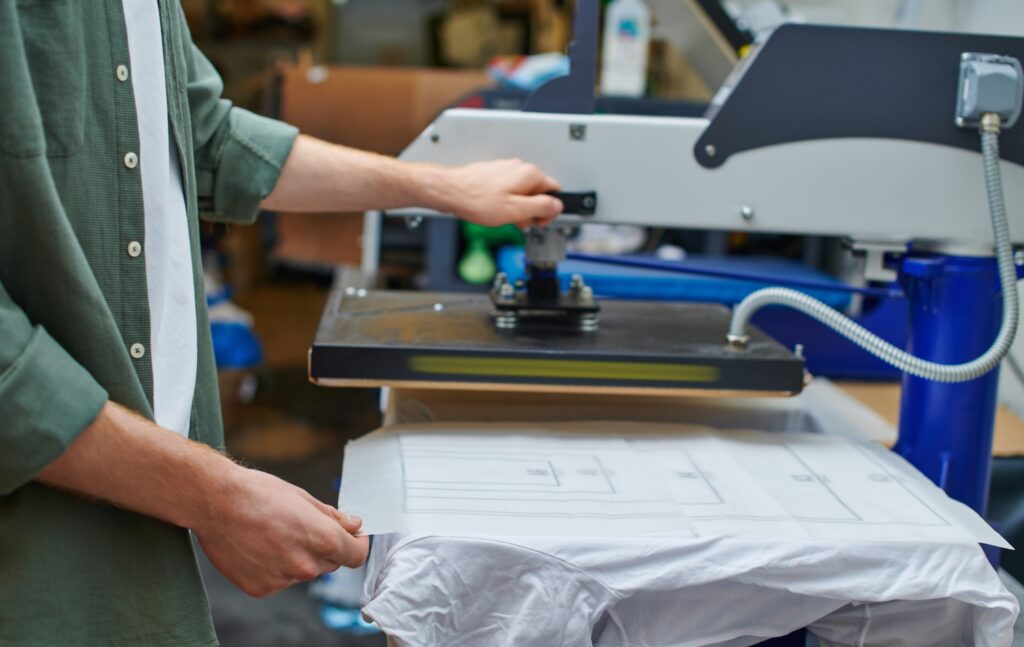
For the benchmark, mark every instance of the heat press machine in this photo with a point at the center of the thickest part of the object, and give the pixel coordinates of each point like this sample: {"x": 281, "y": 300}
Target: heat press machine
{"x": 899, "y": 141}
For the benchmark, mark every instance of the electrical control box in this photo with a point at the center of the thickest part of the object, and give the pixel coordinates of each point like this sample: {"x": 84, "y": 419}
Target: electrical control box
{"x": 989, "y": 83}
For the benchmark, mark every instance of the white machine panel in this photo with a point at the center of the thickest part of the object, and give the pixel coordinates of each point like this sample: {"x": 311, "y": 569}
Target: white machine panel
{"x": 644, "y": 172}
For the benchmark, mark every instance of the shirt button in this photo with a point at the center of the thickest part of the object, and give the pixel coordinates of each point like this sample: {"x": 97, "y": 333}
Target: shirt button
{"x": 131, "y": 160}
{"x": 121, "y": 71}
{"x": 137, "y": 351}
{"x": 134, "y": 249}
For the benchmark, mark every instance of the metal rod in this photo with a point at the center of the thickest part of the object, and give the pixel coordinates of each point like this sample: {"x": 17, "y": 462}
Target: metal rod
{"x": 682, "y": 268}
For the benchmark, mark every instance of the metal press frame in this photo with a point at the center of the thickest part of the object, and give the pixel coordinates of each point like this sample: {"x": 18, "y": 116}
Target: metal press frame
{"x": 824, "y": 131}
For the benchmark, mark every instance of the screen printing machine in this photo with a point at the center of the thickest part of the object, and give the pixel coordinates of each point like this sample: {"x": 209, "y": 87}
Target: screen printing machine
{"x": 900, "y": 141}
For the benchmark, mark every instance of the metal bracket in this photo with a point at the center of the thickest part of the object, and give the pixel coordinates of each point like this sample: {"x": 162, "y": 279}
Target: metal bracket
{"x": 874, "y": 258}
{"x": 539, "y": 297}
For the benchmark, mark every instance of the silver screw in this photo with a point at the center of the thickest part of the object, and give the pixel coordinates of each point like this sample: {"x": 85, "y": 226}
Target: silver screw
{"x": 438, "y": 307}
{"x": 1018, "y": 258}
{"x": 710, "y": 150}
{"x": 587, "y": 293}
{"x": 350, "y": 291}
{"x": 507, "y": 292}
{"x": 361, "y": 293}
{"x": 588, "y": 322}
{"x": 747, "y": 213}
{"x": 576, "y": 283}
{"x": 505, "y": 321}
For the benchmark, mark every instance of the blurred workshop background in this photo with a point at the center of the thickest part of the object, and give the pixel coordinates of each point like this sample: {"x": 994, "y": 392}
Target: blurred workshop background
{"x": 373, "y": 74}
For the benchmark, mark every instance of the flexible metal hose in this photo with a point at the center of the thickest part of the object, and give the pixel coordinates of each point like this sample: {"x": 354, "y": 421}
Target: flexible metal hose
{"x": 883, "y": 349}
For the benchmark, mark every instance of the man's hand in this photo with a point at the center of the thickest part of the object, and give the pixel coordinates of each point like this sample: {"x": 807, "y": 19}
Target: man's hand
{"x": 265, "y": 534}
{"x": 501, "y": 192}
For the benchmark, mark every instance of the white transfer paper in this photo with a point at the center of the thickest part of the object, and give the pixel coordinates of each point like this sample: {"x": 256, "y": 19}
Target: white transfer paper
{"x": 603, "y": 479}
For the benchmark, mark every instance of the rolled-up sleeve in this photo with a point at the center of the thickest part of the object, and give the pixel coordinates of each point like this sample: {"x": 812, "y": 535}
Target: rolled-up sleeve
{"x": 46, "y": 397}
{"x": 239, "y": 155}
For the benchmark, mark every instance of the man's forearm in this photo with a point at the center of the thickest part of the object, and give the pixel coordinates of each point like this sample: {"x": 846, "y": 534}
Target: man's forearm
{"x": 322, "y": 177}
{"x": 319, "y": 176}
{"x": 126, "y": 460}
{"x": 262, "y": 533}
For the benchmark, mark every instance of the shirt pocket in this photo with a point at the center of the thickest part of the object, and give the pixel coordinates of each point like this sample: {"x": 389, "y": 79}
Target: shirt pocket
{"x": 53, "y": 38}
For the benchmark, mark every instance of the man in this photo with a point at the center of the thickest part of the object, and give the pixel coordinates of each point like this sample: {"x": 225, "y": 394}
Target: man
{"x": 113, "y": 140}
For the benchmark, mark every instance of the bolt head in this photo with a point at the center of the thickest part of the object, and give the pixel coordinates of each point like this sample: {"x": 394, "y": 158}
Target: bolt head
{"x": 747, "y": 213}
{"x": 737, "y": 342}
{"x": 710, "y": 150}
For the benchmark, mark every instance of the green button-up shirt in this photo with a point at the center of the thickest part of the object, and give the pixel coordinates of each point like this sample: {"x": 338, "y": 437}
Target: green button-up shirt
{"x": 73, "y": 301}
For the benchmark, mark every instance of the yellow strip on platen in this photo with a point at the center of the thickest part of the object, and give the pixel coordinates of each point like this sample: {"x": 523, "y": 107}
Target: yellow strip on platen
{"x": 561, "y": 368}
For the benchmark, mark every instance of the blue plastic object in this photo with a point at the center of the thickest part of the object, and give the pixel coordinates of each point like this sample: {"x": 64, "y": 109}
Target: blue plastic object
{"x": 345, "y": 620}
{"x": 946, "y": 429}
{"x": 235, "y": 345}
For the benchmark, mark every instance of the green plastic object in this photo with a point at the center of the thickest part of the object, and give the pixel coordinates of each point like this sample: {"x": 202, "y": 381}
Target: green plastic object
{"x": 477, "y": 265}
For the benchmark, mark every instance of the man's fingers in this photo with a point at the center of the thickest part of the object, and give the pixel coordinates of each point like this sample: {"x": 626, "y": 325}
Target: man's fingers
{"x": 349, "y": 522}
{"x": 527, "y": 209}
{"x": 347, "y": 550}
{"x": 548, "y": 184}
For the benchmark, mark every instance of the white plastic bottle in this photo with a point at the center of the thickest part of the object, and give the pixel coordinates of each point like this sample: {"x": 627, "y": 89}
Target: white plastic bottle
{"x": 627, "y": 37}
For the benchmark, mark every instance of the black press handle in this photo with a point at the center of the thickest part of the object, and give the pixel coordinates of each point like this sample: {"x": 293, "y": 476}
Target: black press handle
{"x": 577, "y": 203}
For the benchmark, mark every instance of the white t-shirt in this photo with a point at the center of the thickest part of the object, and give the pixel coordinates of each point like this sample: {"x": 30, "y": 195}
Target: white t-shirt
{"x": 683, "y": 592}
{"x": 172, "y": 305}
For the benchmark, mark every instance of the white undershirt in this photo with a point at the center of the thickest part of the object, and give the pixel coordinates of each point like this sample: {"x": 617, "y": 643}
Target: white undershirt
{"x": 172, "y": 307}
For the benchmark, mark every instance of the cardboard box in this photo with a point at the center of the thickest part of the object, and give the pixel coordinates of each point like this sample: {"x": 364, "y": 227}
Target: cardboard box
{"x": 372, "y": 108}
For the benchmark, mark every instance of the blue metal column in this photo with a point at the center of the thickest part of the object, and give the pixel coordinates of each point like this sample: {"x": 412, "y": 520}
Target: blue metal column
{"x": 946, "y": 429}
